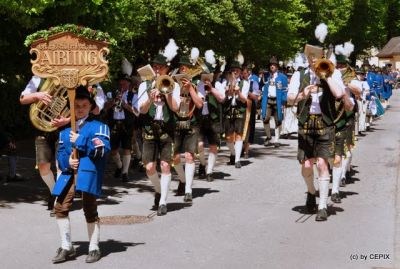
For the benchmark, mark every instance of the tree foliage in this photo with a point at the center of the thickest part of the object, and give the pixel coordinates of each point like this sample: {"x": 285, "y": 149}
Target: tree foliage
{"x": 258, "y": 28}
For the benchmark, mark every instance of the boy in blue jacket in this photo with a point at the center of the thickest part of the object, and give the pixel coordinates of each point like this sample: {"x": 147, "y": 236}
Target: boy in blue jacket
{"x": 91, "y": 140}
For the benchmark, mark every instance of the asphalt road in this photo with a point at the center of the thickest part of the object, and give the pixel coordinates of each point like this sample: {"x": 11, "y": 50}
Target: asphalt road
{"x": 251, "y": 217}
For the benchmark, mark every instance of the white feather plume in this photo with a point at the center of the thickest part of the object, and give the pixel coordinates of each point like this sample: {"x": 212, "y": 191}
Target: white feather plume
{"x": 321, "y": 31}
{"x": 126, "y": 67}
{"x": 223, "y": 64}
{"x": 171, "y": 50}
{"x": 332, "y": 58}
{"x": 194, "y": 54}
{"x": 210, "y": 58}
{"x": 348, "y": 48}
{"x": 240, "y": 58}
{"x": 300, "y": 61}
{"x": 339, "y": 49}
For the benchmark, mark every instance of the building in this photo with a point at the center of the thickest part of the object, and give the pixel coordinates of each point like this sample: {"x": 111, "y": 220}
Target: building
{"x": 390, "y": 54}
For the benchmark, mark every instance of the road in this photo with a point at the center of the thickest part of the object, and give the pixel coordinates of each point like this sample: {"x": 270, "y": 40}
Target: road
{"x": 247, "y": 218}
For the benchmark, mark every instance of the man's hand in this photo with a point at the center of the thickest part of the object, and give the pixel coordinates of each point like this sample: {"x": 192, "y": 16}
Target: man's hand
{"x": 73, "y": 163}
{"x": 60, "y": 121}
{"x": 73, "y": 136}
{"x": 42, "y": 96}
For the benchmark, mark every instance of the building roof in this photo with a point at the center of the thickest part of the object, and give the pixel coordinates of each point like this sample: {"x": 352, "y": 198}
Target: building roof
{"x": 391, "y": 48}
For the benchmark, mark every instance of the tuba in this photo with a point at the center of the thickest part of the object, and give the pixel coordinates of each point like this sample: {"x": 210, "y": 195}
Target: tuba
{"x": 348, "y": 75}
{"x": 41, "y": 114}
{"x": 324, "y": 68}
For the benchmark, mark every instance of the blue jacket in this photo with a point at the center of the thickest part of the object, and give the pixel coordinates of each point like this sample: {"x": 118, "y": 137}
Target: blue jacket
{"x": 93, "y": 144}
{"x": 379, "y": 82}
{"x": 281, "y": 95}
{"x": 387, "y": 86}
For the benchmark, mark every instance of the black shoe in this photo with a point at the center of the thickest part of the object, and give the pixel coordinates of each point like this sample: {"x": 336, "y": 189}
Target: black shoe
{"x": 162, "y": 210}
{"x": 311, "y": 203}
{"x": 342, "y": 182}
{"x": 267, "y": 142}
{"x": 188, "y": 198}
{"x": 118, "y": 172}
{"x": 62, "y": 255}
{"x": 231, "y": 160}
{"x": 124, "y": 177}
{"x": 322, "y": 215}
{"x": 238, "y": 165}
{"x": 181, "y": 189}
{"x": 157, "y": 197}
{"x": 93, "y": 256}
{"x": 335, "y": 197}
{"x": 210, "y": 177}
{"x": 52, "y": 213}
{"x": 202, "y": 171}
{"x": 246, "y": 155}
{"x": 15, "y": 178}
{"x": 277, "y": 145}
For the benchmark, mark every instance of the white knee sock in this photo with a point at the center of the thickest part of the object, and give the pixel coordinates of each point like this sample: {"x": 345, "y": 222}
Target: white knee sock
{"x": 336, "y": 177}
{"x": 156, "y": 182}
{"x": 181, "y": 173}
{"x": 126, "y": 161}
{"x": 64, "y": 227}
{"x": 165, "y": 181}
{"x": 345, "y": 161}
{"x": 117, "y": 160}
{"x": 189, "y": 174}
{"x": 231, "y": 147}
{"x": 309, "y": 180}
{"x": 323, "y": 192}
{"x": 49, "y": 180}
{"x": 277, "y": 134}
{"x": 94, "y": 235}
{"x": 202, "y": 158}
{"x": 211, "y": 162}
{"x": 238, "y": 150}
{"x": 349, "y": 157}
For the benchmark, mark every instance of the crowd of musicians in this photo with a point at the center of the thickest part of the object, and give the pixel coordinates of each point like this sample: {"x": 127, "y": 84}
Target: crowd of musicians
{"x": 167, "y": 113}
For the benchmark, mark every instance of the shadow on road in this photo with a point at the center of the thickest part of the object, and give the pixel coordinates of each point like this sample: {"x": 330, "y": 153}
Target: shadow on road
{"x": 106, "y": 247}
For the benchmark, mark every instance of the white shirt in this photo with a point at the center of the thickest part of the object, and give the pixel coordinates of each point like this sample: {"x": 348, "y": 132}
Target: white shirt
{"x": 245, "y": 91}
{"x": 200, "y": 87}
{"x": 34, "y": 83}
{"x": 272, "y": 86}
{"x": 143, "y": 97}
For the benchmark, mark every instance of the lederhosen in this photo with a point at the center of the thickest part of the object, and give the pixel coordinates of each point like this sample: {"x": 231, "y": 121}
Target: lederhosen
{"x": 316, "y": 131}
{"x": 234, "y": 115}
{"x": 122, "y": 129}
{"x": 186, "y": 133}
{"x": 157, "y": 135}
{"x": 210, "y": 125}
{"x": 344, "y": 131}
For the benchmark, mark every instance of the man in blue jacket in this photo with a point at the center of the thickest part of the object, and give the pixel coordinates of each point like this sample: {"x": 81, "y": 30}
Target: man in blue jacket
{"x": 91, "y": 140}
{"x": 274, "y": 95}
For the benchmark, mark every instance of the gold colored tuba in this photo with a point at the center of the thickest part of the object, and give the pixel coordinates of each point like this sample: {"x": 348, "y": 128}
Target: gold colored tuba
{"x": 198, "y": 68}
{"x": 41, "y": 114}
{"x": 165, "y": 84}
{"x": 324, "y": 68}
{"x": 348, "y": 75}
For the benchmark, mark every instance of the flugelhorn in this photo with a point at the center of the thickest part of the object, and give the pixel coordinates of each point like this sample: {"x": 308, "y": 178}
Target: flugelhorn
{"x": 165, "y": 84}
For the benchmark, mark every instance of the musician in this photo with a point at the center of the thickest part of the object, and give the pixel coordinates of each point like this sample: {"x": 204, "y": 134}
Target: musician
{"x": 91, "y": 140}
{"x": 253, "y": 97}
{"x": 157, "y": 109}
{"x": 187, "y": 127}
{"x": 236, "y": 93}
{"x": 45, "y": 142}
{"x": 315, "y": 95}
{"x": 210, "y": 119}
{"x": 122, "y": 116}
{"x": 362, "y": 103}
{"x": 273, "y": 97}
{"x": 344, "y": 126}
